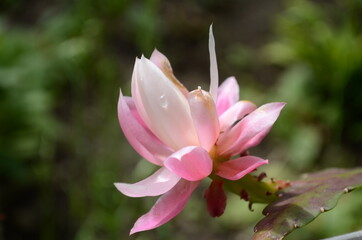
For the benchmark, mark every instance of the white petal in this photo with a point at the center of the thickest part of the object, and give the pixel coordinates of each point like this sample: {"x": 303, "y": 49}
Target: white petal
{"x": 162, "y": 106}
{"x": 164, "y": 64}
{"x": 214, "y": 75}
{"x": 156, "y": 184}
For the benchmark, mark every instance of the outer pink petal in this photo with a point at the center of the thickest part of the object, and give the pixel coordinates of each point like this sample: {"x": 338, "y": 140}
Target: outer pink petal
{"x": 237, "y": 168}
{"x": 235, "y": 113}
{"x": 156, "y": 184}
{"x": 205, "y": 117}
{"x": 166, "y": 207}
{"x": 191, "y": 163}
{"x": 140, "y": 138}
{"x": 228, "y": 95}
{"x": 132, "y": 108}
{"x": 257, "y": 139}
{"x": 235, "y": 140}
{"x": 163, "y": 63}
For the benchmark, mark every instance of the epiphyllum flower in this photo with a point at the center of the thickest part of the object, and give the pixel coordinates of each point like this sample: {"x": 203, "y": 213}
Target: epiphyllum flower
{"x": 190, "y": 135}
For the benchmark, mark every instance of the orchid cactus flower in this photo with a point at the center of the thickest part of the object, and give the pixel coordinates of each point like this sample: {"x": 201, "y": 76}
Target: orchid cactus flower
{"x": 189, "y": 135}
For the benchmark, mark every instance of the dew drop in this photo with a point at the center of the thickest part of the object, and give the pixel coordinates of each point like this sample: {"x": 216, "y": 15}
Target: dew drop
{"x": 163, "y": 102}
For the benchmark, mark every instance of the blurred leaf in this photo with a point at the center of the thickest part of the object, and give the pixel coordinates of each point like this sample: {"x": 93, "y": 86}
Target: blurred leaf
{"x": 144, "y": 19}
{"x": 304, "y": 200}
{"x": 304, "y": 146}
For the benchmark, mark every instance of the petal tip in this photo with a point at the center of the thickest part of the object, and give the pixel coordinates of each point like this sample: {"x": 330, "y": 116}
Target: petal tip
{"x": 273, "y": 107}
{"x": 281, "y": 104}
{"x": 143, "y": 59}
{"x": 119, "y": 187}
{"x": 231, "y": 79}
{"x": 156, "y": 51}
{"x": 133, "y": 231}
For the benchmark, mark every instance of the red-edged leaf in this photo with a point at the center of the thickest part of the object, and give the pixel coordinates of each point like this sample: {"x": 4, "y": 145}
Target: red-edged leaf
{"x": 304, "y": 200}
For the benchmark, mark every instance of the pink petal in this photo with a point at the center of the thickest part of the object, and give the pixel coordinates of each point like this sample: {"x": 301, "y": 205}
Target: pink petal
{"x": 229, "y": 128}
{"x": 162, "y": 106}
{"x": 257, "y": 139}
{"x": 163, "y": 63}
{"x": 191, "y": 163}
{"x": 166, "y": 207}
{"x": 235, "y": 140}
{"x": 235, "y": 113}
{"x": 140, "y": 138}
{"x": 132, "y": 108}
{"x": 237, "y": 168}
{"x": 214, "y": 75}
{"x": 228, "y": 95}
{"x": 156, "y": 184}
{"x": 205, "y": 117}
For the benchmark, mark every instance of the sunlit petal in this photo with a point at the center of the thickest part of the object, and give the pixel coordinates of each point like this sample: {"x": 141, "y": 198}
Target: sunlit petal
{"x": 163, "y": 63}
{"x": 162, "y": 106}
{"x": 156, "y": 184}
{"x": 136, "y": 94}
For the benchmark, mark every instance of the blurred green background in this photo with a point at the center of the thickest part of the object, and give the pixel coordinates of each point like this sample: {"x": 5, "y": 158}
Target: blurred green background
{"x": 62, "y": 64}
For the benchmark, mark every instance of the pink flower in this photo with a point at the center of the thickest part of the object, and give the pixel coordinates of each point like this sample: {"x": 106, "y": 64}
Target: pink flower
{"x": 190, "y": 135}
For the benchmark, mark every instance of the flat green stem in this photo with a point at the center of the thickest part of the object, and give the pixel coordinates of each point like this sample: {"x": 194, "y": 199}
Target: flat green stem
{"x": 253, "y": 189}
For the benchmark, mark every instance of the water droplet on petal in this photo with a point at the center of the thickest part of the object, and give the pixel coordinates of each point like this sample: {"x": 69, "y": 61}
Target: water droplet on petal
{"x": 163, "y": 102}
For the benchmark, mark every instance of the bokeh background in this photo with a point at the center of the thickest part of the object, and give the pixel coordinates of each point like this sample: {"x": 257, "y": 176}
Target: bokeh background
{"x": 62, "y": 64}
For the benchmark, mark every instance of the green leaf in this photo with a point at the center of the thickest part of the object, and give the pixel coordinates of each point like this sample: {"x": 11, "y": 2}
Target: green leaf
{"x": 304, "y": 200}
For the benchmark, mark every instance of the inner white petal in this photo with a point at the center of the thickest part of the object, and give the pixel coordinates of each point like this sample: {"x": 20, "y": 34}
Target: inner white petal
{"x": 163, "y": 106}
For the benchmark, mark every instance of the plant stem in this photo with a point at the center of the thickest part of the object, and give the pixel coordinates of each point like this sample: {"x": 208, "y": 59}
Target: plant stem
{"x": 253, "y": 189}
{"x": 349, "y": 236}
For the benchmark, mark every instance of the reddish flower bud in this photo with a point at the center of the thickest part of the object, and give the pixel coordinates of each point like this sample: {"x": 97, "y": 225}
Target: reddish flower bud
{"x": 215, "y": 198}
